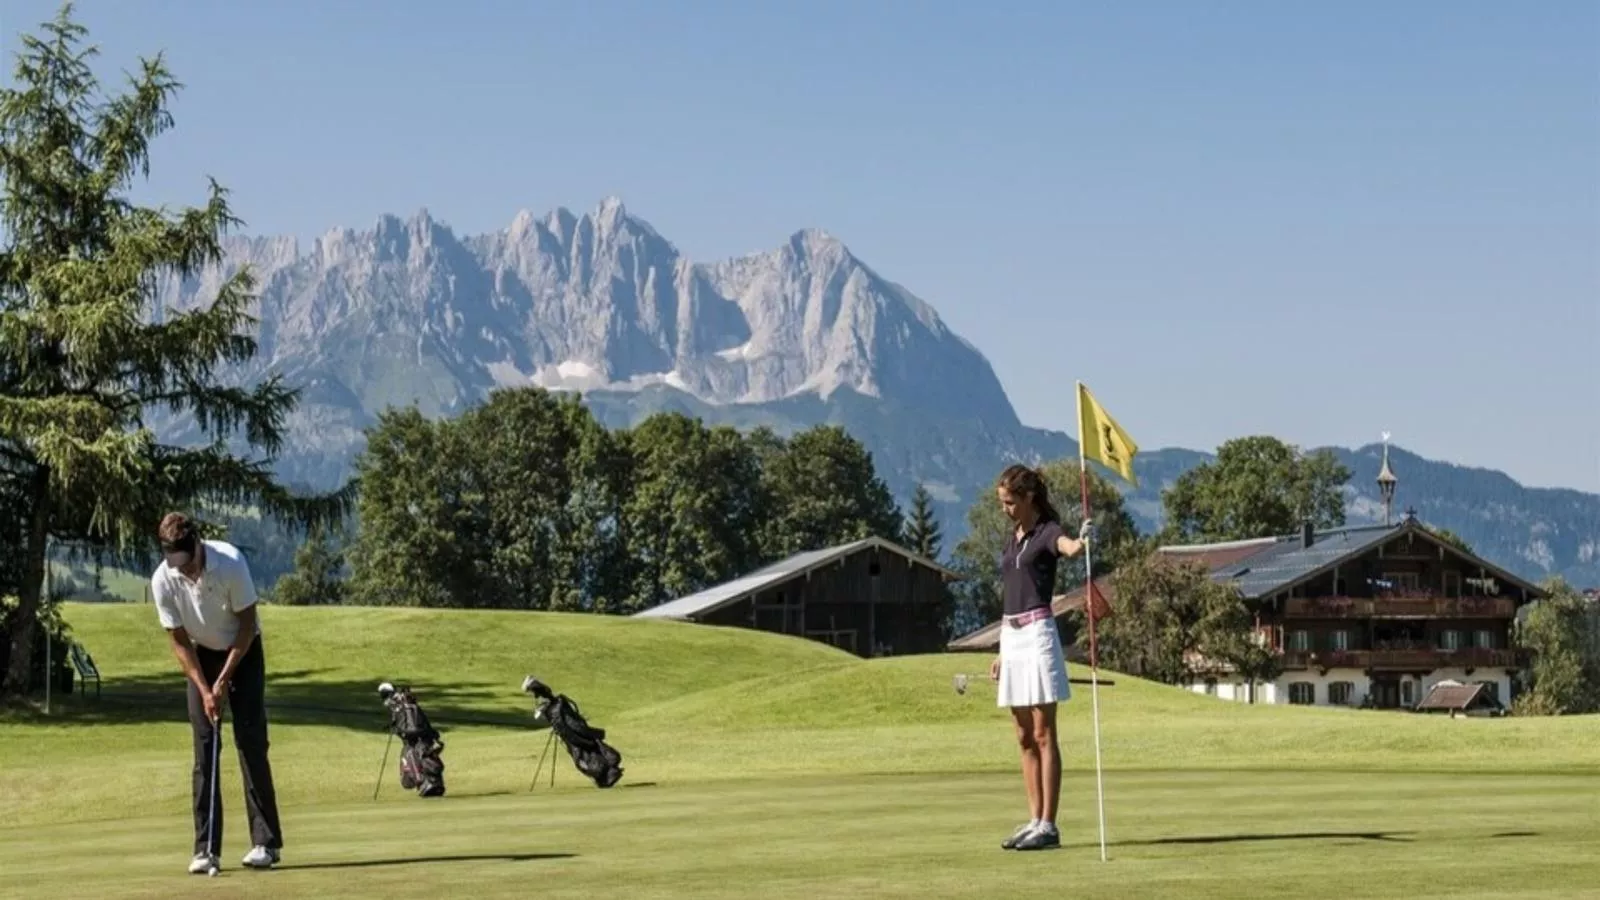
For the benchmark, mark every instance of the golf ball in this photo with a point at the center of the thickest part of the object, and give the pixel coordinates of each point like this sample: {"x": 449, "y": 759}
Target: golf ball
{"x": 212, "y": 871}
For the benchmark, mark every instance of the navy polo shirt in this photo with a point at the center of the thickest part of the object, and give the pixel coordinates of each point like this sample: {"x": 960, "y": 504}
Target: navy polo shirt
{"x": 1028, "y": 568}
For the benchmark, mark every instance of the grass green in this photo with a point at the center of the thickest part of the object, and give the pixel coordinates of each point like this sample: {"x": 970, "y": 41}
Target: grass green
{"x": 760, "y": 765}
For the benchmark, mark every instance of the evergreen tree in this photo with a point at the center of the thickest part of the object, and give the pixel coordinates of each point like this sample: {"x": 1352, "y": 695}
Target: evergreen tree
{"x": 922, "y": 530}
{"x": 83, "y": 356}
{"x": 317, "y": 578}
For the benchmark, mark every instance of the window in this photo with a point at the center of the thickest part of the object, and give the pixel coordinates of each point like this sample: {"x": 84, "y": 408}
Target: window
{"x": 1483, "y": 638}
{"x": 1302, "y": 693}
{"x": 1299, "y": 641}
{"x": 1450, "y": 639}
{"x": 1402, "y": 581}
{"x": 1340, "y": 640}
{"x": 1408, "y": 692}
{"x": 1340, "y": 692}
{"x": 1452, "y": 584}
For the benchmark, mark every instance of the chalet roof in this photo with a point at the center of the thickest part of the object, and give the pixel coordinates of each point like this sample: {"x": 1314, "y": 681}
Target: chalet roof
{"x": 1266, "y": 566}
{"x": 988, "y": 637}
{"x": 1285, "y": 559}
{"x": 714, "y": 598}
{"x": 1452, "y": 695}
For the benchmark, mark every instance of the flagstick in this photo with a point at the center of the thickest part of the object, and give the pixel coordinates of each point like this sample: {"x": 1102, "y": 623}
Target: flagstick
{"x": 1088, "y": 606}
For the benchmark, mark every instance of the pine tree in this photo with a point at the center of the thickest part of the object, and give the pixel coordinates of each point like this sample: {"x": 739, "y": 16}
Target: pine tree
{"x": 84, "y": 356}
{"x": 922, "y": 529}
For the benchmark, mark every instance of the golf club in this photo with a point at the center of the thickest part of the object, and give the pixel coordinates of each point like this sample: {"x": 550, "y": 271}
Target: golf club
{"x": 211, "y": 812}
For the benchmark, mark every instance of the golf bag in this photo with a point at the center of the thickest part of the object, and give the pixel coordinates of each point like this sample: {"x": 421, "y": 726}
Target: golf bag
{"x": 421, "y": 765}
{"x": 585, "y": 743}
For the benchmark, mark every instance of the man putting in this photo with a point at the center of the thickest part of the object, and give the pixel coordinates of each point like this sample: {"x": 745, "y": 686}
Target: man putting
{"x": 207, "y": 603}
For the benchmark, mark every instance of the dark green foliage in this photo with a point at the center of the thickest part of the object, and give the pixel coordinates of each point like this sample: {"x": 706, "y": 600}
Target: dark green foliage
{"x": 318, "y": 575}
{"x": 528, "y": 503}
{"x": 820, "y": 489}
{"x": 693, "y": 513}
{"x": 83, "y": 353}
{"x": 1256, "y": 486}
{"x": 922, "y": 527}
{"x": 1559, "y": 631}
{"x": 1169, "y": 615}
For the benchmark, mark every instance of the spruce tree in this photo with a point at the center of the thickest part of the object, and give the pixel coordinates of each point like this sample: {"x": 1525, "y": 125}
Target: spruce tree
{"x": 922, "y": 529}
{"x": 84, "y": 356}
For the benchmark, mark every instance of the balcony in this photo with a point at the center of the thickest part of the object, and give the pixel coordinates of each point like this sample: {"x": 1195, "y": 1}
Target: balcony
{"x": 1411, "y": 658}
{"x": 1400, "y": 608}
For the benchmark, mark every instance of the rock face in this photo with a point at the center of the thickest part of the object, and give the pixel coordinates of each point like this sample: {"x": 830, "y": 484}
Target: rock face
{"x": 408, "y": 312}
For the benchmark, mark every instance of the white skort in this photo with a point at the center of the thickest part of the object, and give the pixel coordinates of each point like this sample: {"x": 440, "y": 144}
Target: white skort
{"x": 1033, "y": 665}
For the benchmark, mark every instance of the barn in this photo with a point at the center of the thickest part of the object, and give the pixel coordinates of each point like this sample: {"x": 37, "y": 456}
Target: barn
{"x": 871, "y": 597}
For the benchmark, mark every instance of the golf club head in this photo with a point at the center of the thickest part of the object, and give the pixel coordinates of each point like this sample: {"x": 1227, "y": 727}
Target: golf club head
{"x": 385, "y": 690}
{"x": 534, "y": 686}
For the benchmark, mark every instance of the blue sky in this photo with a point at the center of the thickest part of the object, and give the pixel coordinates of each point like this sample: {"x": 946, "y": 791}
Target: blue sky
{"x": 1319, "y": 221}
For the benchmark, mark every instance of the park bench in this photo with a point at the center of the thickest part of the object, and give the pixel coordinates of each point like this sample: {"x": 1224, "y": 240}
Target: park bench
{"x": 84, "y": 663}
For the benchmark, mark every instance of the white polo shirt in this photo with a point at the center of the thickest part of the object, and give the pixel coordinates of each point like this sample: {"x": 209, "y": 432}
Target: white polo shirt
{"x": 207, "y": 609}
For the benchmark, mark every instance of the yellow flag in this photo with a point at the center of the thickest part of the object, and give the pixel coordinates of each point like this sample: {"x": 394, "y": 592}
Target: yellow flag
{"x": 1102, "y": 439}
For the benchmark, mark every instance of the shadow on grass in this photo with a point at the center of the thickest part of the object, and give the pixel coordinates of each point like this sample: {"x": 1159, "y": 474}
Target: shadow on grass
{"x": 426, "y": 860}
{"x": 1393, "y": 837}
{"x": 294, "y": 697}
{"x": 1383, "y": 836}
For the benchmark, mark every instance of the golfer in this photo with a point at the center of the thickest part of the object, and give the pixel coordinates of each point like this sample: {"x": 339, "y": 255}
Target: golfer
{"x": 1032, "y": 665}
{"x": 207, "y": 603}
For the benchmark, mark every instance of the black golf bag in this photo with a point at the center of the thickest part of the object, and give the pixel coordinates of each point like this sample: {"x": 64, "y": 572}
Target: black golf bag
{"x": 585, "y": 743}
{"x": 421, "y": 765}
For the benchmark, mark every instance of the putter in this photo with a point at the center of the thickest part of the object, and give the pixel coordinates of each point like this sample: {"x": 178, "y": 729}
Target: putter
{"x": 211, "y": 812}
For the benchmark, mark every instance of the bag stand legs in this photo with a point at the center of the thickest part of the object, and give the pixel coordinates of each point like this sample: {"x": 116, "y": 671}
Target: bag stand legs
{"x": 550, "y": 742}
{"x": 383, "y": 765}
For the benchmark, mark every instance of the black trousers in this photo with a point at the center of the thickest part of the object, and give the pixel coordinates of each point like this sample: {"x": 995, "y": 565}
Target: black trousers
{"x": 246, "y": 706}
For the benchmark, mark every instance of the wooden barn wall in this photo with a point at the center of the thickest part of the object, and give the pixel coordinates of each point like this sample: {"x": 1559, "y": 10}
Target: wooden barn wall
{"x": 897, "y": 612}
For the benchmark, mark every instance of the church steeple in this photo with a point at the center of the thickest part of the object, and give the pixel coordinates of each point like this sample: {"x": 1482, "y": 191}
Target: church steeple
{"x": 1386, "y": 483}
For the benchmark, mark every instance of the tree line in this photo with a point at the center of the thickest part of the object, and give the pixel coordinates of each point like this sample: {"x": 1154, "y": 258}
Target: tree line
{"x": 528, "y": 502}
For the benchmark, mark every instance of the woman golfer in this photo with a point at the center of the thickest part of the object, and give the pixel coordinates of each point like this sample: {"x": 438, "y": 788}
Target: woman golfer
{"x": 1032, "y": 666}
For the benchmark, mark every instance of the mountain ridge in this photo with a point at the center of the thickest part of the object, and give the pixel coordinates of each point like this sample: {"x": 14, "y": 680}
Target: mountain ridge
{"x": 805, "y": 332}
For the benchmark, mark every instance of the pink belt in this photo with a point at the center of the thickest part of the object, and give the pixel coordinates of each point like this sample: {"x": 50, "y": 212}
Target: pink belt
{"x": 1028, "y": 618}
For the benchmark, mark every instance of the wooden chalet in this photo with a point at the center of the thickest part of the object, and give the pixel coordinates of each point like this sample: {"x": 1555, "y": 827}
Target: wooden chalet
{"x": 1371, "y": 616}
{"x": 871, "y": 597}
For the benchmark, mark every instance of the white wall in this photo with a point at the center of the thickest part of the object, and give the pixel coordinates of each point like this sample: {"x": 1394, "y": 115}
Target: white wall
{"x": 1278, "y": 692}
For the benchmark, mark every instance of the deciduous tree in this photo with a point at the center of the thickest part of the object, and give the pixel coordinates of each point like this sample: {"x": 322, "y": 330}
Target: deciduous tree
{"x": 1565, "y": 676}
{"x": 1171, "y": 618}
{"x": 1256, "y": 486}
{"x": 820, "y": 489}
{"x": 692, "y": 510}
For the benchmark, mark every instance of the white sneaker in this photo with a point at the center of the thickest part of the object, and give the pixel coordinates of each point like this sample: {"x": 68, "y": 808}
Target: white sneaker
{"x": 202, "y": 863}
{"x": 261, "y": 858}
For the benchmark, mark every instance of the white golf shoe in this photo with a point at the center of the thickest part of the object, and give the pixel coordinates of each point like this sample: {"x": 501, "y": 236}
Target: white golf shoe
{"x": 261, "y": 858}
{"x": 202, "y": 863}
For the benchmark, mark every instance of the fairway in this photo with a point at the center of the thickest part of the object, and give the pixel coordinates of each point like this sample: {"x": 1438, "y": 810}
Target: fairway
{"x": 758, "y": 765}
